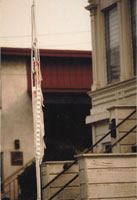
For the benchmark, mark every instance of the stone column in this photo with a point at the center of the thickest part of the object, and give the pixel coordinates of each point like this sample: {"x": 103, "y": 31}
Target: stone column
{"x": 102, "y": 68}
{"x": 126, "y": 54}
{"x": 93, "y": 14}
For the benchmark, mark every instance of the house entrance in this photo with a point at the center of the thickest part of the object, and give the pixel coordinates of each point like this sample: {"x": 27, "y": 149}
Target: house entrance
{"x": 66, "y": 133}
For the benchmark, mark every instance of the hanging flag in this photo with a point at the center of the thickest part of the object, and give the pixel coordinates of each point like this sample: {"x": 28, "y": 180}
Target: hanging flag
{"x": 37, "y": 103}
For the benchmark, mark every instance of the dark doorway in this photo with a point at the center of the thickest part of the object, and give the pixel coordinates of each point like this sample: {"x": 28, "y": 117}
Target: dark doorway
{"x": 66, "y": 133}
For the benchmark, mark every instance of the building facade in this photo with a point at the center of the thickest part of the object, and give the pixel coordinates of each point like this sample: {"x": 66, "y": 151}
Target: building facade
{"x": 63, "y": 92}
{"x": 113, "y": 93}
{"x": 108, "y": 170}
{"x": 17, "y": 143}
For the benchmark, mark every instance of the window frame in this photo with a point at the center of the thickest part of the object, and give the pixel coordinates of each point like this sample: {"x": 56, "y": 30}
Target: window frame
{"x": 134, "y": 43}
{"x": 107, "y": 44}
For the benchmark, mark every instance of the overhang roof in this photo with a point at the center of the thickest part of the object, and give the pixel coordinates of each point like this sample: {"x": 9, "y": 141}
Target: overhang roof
{"x": 47, "y": 52}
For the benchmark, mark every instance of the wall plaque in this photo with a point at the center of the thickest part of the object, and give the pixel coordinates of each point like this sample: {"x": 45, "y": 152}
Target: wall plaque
{"x": 16, "y": 158}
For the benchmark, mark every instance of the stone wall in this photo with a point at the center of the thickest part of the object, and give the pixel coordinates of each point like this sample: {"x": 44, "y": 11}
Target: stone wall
{"x": 17, "y": 122}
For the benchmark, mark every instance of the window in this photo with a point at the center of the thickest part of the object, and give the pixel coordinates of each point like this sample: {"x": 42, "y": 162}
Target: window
{"x": 112, "y": 44}
{"x": 133, "y": 8}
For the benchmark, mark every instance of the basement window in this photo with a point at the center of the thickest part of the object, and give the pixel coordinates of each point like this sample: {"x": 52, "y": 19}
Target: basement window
{"x": 112, "y": 44}
{"x": 107, "y": 146}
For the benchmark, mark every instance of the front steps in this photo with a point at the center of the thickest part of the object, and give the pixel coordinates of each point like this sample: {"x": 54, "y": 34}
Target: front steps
{"x": 101, "y": 176}
{"x": 49, "y": 170}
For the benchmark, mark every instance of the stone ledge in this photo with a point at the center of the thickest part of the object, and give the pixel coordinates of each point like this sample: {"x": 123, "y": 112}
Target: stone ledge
{"x": 107, "y": 155}
{"x": 121, "y": 107}
{"x": 97, "y": 117}
{"x": 57, "y": 162}
{"x": 112, "y": 87}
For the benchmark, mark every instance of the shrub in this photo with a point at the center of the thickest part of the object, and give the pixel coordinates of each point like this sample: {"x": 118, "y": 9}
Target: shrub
{"x": 27, "y": 182}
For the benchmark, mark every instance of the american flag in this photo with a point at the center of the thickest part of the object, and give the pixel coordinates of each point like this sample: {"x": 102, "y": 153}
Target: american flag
{"x": 37, "y": 102}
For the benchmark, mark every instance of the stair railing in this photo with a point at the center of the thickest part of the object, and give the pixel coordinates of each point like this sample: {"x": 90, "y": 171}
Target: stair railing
{"x": 125, "y": 135}
{"x": 114, "y": 144}
{"x": 89, "y": 149}
{"x": 63, "y": 187}
{"x": 11, "y": 182}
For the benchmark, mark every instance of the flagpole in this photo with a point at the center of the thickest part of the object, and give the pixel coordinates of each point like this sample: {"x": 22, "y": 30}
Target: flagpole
{"x": 37, "y": 103}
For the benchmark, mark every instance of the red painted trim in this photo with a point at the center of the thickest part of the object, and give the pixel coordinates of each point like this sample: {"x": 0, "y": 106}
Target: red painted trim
{"x": 46, "y": 52}
{"x": 65, "y": 90}
{"x": 78, "y": 91}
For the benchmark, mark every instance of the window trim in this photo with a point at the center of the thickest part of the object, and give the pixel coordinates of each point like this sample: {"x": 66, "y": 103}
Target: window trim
{"x": 134, "y": 46}
{"x": 108, "y": 5}
{"x": 107, "y": 46}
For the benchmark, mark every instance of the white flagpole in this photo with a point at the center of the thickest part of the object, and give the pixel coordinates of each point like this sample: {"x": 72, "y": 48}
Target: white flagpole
{"x": 37, "y": 102}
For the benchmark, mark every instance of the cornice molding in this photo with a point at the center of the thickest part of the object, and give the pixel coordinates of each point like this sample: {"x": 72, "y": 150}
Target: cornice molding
{"x": 92, "y": 7}
{"x": 111, "y": 87}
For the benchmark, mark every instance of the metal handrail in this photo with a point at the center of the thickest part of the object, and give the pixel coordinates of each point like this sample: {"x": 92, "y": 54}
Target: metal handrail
{"x": 89, "y": 149}
{"x": 114, "y": 144}
{"x": 62, "y": 172}
{"x": 18, "y": 171}
{"x": 64, "y": 186}
{"x": 12, "y": 178}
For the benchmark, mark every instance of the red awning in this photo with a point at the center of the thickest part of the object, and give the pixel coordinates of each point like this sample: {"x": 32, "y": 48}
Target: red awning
{"x": 65, "y": 74}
